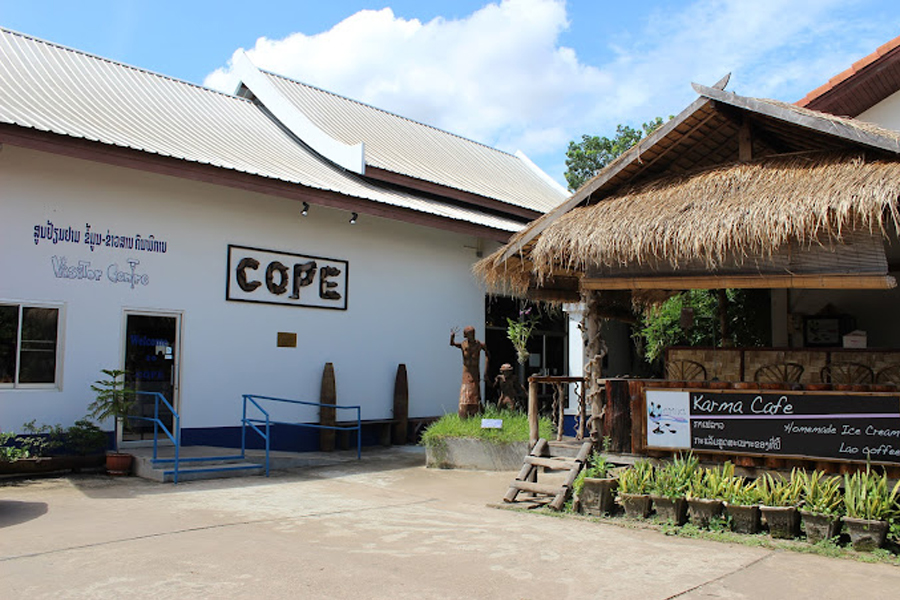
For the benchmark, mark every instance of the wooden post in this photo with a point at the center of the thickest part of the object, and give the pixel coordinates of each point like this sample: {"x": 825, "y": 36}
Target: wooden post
{"x": 533, "y": 428}
{"x": 401, "y": 406}
{"x": 328, "y": 395}
{"x": 618, "y": 415}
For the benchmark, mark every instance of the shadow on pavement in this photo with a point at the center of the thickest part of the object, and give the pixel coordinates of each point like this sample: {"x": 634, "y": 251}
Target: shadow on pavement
{"x": 14, "y": 512}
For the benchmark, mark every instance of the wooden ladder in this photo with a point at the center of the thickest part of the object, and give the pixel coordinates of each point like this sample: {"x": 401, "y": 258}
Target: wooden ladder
{"x": 541, "y": 456}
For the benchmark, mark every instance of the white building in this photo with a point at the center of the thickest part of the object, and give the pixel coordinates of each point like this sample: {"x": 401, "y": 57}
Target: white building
{"x": 217, "y": 245}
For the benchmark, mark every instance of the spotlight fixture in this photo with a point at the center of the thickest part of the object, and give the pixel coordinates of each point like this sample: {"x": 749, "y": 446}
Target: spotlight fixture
{"x": 353, "y": 218}
{"x": 305, "y": 210}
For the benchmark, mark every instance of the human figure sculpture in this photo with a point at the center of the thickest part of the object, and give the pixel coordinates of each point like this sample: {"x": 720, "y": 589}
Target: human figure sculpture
{"x": 508, "y": 387}
{"x": 470, "y": 392}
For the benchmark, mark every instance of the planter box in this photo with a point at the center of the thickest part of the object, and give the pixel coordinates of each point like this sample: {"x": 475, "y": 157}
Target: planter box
{"x": 672, "y": 510}
{"x": 744, "y": 518}
{"x": 637, "y": 506}
{"x": 783, "y": 521}
{"x": 598, "y": 496}
{"x": 866, "y": 535}
{"x": 49, "y": 464}
{"x": 820, "y": 527}
{"x": 470, "y": 453}
{"x": 703, "y": 510}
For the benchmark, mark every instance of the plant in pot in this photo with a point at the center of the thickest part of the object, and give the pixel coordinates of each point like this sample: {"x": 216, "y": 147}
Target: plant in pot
{"x": 823, "y": 504}
{"x": 634, "y": 489}
{"x": 871, "y": 504}
{"x": 707, "y": 492}
{"x": 113, "y": 400}
{"x": 742, "y": 505}
{"x": 595, "y": 487}
{"x": 670, "y": 485}
{"x": 780, "y": 498}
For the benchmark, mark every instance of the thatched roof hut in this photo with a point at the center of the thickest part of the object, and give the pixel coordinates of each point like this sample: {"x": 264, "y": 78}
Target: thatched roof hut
{"x": 733, "y": 192}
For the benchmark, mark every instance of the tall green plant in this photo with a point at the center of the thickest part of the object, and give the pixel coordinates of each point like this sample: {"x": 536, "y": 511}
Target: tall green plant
{"x": 822, "y": 495}
{"x": 113, "y": 399}
{"x": 868, "y": 496}
{"x": 673, "y": 479}
{"x": 712, "y": 484}
{"x": 775, "y": 491}
{"x": 638, "y": 479}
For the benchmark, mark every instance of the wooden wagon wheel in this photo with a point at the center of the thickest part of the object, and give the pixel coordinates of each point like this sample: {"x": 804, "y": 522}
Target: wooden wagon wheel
{"x": 779, "y": 373}
{"x": 685, "y": 370}
{"x": 849, "y": 372}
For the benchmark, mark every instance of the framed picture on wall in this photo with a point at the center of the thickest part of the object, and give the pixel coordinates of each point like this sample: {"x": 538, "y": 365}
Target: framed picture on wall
{"x": 822, "y": 331}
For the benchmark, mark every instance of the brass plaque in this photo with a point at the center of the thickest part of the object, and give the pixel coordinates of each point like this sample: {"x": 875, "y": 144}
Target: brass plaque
{"x": 287, "y": 339}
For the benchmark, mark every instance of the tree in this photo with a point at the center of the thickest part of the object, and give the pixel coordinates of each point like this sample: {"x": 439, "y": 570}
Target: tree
{"x": 585, "y": 158}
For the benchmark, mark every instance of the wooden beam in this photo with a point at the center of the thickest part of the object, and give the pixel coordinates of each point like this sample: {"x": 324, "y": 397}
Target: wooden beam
{"x": 862, "y": 281}
{"x": 745, "y": 141}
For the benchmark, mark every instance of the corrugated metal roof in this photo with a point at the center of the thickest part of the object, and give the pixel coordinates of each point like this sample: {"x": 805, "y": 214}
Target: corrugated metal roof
{"x": 403, "y": 146}
{"x": 52, "y": 88}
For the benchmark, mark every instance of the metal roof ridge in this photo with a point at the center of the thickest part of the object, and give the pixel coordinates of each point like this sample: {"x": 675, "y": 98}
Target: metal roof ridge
{"x": 118, "y": 63}
{"x": 390, "y": 113}
{"x": 347, "y": 156}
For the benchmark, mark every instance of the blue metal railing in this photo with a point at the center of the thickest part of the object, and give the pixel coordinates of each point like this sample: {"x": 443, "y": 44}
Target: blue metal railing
{"x": 174, "y": 436}
{"x": 266, "y": 421}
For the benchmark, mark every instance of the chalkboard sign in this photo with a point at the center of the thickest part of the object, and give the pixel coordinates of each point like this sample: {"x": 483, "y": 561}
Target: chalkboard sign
{"x": 827, "y": 425}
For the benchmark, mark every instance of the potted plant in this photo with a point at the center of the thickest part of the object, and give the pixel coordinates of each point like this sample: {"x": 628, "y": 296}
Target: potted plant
{"x": 742, "y": 505}
{"x": 823, "y": 503}
{"x": 634, "y": 489}
{"x": 595, "y": 487}
{"x": 706, "y": 493}
{"x": 780, "y": 497}
{"x": 670, "y": 485}
{"x": 113, "y": 400}
{"x": 870, "y": 503}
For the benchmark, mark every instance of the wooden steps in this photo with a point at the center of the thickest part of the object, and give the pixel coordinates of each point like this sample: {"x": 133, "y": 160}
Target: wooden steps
{"x": 550, "y": 457}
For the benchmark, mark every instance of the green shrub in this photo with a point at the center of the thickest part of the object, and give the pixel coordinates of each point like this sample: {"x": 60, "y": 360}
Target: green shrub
{"x": 712, "y": 484}
{"x": 515, "y": 428}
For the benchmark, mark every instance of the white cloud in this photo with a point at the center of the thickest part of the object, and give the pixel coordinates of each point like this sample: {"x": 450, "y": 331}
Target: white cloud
{"x": 502, "y": 77}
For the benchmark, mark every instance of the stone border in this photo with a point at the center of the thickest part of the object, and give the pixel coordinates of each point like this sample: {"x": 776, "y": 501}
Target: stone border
{"x": 475, "y": 454}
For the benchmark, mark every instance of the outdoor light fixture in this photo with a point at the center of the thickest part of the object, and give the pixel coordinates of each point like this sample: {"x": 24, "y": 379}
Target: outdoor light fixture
{"x": 305, "y": 210}
{"x": 353, "y": 218}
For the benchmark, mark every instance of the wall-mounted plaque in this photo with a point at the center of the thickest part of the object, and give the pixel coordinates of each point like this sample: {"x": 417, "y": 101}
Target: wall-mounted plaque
{"x": 271, "y": 277}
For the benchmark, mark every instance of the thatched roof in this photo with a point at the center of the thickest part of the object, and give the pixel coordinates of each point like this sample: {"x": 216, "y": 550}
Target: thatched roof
{"x": 683, "y": 193}
{"x": 746, "y": 209}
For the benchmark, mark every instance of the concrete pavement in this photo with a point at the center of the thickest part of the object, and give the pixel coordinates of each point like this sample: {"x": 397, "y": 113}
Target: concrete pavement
{"x": 385, "y": 527}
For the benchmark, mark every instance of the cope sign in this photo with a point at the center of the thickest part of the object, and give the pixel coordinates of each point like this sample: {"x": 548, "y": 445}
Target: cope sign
{"x": 272, "y": 277}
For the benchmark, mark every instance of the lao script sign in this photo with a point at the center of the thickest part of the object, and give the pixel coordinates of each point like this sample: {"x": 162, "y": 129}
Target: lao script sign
{"x": 271, "y": 277}
{"x": 828, "y": 425}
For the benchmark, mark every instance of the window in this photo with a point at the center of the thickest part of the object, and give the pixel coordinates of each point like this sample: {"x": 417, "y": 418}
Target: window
{"x": 28, "y": 345}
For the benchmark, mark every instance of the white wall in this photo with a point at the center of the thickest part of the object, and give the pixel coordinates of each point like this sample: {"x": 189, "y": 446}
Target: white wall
{"x": 886, "y": 113}
{"x": 408, "y": 286}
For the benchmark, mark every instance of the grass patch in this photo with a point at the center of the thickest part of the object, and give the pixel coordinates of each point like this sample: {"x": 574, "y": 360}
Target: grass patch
{"x": 515, "y": 428}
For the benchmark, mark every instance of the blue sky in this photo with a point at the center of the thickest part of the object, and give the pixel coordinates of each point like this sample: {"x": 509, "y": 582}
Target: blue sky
{"x": 516, "y": 74}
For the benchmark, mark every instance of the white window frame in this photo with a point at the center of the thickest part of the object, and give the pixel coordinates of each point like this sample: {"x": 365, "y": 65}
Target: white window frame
{"x": 60, "y": 342}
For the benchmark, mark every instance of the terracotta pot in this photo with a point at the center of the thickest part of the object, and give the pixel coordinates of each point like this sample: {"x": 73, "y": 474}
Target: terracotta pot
{"x": 866, "y": 535}
{"x": 703, "y": 510}
{"x": 744, "y": 517}
{"x": 783, "y": 521}
{"x": 637, "y": 506}
{"x": 670, "y": 510}
{"x": 598, "y": 496}
{"x": 118, "y": 463}
{"x": 820, "y": 527}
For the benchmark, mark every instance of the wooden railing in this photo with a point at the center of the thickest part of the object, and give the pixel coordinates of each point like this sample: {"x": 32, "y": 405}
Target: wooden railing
{"x": 560, "y": 386}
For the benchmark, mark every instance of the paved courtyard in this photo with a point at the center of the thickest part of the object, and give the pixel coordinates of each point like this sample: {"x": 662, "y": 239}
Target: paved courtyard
{"x": 384, "y": 527}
